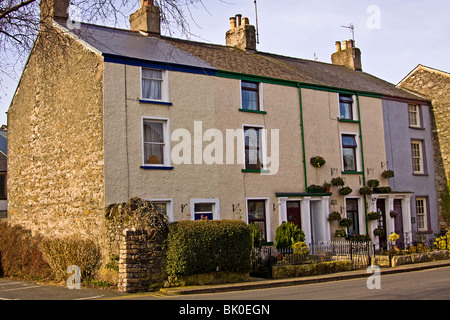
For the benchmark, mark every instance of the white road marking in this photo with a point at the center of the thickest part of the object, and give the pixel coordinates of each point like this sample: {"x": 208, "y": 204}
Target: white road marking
{"x": 20, "y": 288}
{"x": 87, "y": 298}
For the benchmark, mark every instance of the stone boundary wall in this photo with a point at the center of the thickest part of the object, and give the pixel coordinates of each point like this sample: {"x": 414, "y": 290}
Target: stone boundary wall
{"x": 141, "y": 263}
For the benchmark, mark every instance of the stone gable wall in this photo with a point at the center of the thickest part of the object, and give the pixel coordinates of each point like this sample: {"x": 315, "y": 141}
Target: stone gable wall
{"x": 55, "y": 141}
{"x": 435, "y": 87}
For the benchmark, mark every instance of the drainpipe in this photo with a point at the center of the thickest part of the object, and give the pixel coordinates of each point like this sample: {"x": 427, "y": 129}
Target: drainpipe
{"x": 303, "y": 136}
{"x": 362, "y": 161}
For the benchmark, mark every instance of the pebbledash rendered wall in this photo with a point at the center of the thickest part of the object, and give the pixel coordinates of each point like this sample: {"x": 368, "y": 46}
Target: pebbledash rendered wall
{"x": 398, "y": 136}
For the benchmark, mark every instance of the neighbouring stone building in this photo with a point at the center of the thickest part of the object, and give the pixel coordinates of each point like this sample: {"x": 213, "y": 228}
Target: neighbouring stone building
{"x": 203, "y": 131}
{"x": 434, "y": 85}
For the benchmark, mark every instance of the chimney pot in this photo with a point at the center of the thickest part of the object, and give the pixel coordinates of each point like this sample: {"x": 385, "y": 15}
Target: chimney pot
{"x": 238, "y": 20}
{"x": 232, "y": 23}
{"x": 338, "y": 46}
{"x": 344, "y": 45}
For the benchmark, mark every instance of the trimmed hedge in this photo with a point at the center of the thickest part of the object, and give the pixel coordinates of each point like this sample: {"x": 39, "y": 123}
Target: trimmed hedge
{"x": 195, "y": 247}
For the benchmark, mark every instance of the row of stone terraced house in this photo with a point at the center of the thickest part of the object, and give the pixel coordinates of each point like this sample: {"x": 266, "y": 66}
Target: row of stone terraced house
{"x": 211, "y": 131}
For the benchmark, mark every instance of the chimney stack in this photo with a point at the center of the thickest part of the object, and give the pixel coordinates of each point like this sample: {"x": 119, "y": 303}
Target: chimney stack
{"x": 51, "y": 9}
{"x": 241, "y": 35}
{"x": 146, "y": 19}
{"x": 348, "y": 56}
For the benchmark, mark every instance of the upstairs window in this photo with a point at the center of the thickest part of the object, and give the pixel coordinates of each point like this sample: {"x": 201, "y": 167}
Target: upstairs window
{"x": 349, "y": 148}
{"x": 152, "y": 84}
{"x": 252, "y": 138}
{"x": 250, "y": 96}
{"x": 156, "y": 149}
{"x": 414, "y": 116}
{"x": 346, "y": 107}
{"x": 417, "y": 157}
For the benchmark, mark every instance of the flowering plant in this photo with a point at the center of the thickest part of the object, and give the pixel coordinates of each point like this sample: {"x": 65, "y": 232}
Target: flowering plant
{"x": 393, "y": 237}
{"x": 317, "y": 161}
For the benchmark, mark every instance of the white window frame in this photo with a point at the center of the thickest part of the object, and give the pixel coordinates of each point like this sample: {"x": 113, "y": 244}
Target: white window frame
{"x": 169, "y": 207}
{"x": 260, "y": 95}
{"x": 164, "y": 85}
{"x": 262, "y": 141}
{"x": 417, "y": 116}
{"x": 214, "y": 201}
{"x": 267, "y": 208}
{"x": 357, "y": 151}
{"x": 167, "y": 148}
{"x": 421, "y": 156}
{"x": 354, "y": 109}
{"x": 425, "y": 214}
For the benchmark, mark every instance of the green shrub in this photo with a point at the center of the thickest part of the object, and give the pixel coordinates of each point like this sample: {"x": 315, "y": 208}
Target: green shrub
{"x": 195, "y": 247}
{"x": 287, "y": 234}
{"x": 60, "y": 253}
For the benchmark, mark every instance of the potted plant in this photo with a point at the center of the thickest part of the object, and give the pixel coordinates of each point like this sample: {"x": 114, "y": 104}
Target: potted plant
{"x": 316, "y": 189}
{"x": 317, "y": 161}
{"x": 373, "y": 183}
{"x": 365, "y": 190}
{"x": 393, "y": 214}
{"x": 346, "y": 222}
{"x": 387, "y": 174}
{"x": 373, "y": 216}
{"x": 338, "y": 182}
{"x": 334, "y": 216}
{"x": 340, "y": 233}
{"x": 378, "y": 231}
{"x": 345, "y": 191}
{"x": 382, "y": 190}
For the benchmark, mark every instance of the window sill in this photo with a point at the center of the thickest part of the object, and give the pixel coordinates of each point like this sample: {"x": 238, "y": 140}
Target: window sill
{"x": 352, "y": 172}
{"x": 416, "y": 128}
{"x": 156, "y": 168}
{"x": 348, "y": 120}
{"x": 255, "y": 170}
{"x": 252, "y": 111}
{"x": 155, "y": 102}
{"x": 420, "y": 174}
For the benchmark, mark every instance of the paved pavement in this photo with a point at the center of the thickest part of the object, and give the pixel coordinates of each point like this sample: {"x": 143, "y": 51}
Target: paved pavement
{"x": 11, "y": 289}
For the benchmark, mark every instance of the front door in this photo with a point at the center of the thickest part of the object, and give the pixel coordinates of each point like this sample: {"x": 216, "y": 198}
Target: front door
{"x": 398, "y": 221}
{"x": 293, "y": 213}
{"x": 382, "y": 222}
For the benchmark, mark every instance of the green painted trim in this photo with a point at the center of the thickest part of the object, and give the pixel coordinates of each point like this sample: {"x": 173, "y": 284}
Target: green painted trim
{"x": 303, "y": 137}
{"x": 362, "y": 161}
{"x": 252, "y": 111}
{"x": 255, "y": 170}
{"x": 348, "y": 120}
{"x": 302, "y": 194}
{"x": 289, "y": 83}
{"x": 352, "y": 172}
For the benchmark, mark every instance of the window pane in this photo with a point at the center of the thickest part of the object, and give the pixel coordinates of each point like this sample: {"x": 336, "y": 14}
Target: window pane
{"x": 160, "y": 207}
{"x": 348, "y": 141}
{"x": 352, "y": 214}
{"x": 417, "y": 157}
{"x": 203, "y": 207}
{"x": 153, "y": 153}
{"x": 256, "y": 210}
{"x": 252, "y": 148}
{"x": 345, "y": 111}
{"x": 153, "y": 132}
{"x": 250, "y": 95}
{"x": 151, "y": 89}
{"x": 421, "y": 213}
{"x": 349, "y": 159}
{"x": 151, "y": 74}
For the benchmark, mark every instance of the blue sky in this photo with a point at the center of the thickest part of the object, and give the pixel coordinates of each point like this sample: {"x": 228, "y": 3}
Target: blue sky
{"x": 394, "y": 35}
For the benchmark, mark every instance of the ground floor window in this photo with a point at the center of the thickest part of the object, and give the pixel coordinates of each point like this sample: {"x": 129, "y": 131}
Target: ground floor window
{"x": 421, "y": 213}
{"x": 257, "y": 215}
{"x": 351, "y": 207}
{"x": 205, "y": 209}
{"x": 164, "y": 206}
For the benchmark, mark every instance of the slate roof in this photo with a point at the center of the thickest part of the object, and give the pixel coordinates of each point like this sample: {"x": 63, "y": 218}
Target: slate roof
{"x": 131, "y": 44}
